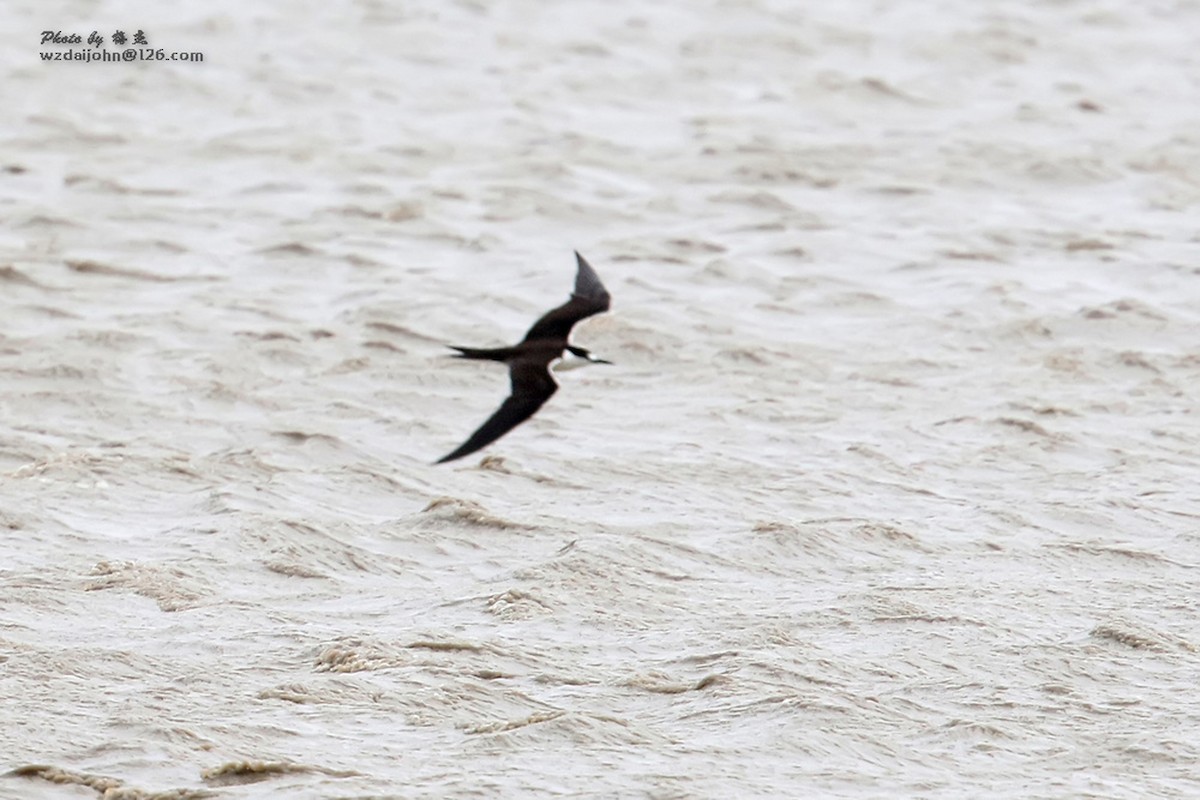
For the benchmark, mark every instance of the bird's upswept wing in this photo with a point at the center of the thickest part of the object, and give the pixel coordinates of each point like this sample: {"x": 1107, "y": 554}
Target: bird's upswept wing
{"x": 590, "y": 297}
{"x": 532, "y": 386}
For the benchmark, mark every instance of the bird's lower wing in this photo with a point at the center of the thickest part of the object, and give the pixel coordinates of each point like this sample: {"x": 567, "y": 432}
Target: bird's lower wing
{"x": 512, "y": 412}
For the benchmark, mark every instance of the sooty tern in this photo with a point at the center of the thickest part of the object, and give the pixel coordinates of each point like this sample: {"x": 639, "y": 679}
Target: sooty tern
{"x": 530, "y": 360}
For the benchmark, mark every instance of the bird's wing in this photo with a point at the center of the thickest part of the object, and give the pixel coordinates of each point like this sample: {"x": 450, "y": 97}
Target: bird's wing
{"x": 590, "y": 297}
{"x": 532, "y": 386}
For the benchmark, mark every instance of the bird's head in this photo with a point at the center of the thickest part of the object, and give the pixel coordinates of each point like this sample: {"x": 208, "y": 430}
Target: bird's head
{"x": 581, "y": 358}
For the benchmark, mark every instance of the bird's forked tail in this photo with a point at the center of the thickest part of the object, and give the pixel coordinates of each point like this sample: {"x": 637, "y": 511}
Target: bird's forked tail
{"x": 482, "y": 354}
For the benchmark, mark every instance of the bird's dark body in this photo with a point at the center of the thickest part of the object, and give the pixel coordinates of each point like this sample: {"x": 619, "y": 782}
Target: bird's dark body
{"x": 529, "y": 361}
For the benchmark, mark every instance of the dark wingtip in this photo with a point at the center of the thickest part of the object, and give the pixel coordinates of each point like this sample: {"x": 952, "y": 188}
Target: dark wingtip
{"x": 588, "y": 284}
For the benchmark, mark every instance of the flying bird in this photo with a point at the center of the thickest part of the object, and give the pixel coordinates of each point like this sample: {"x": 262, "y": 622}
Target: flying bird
{"x": 530, "y": 360}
